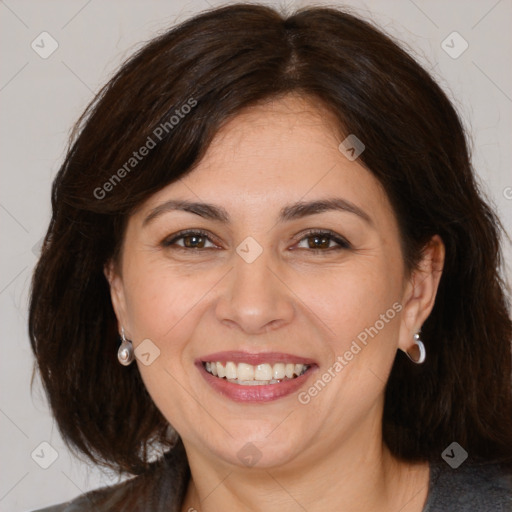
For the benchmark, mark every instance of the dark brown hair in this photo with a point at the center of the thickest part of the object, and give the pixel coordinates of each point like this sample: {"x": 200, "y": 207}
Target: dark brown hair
{"x": 217, "y": 63}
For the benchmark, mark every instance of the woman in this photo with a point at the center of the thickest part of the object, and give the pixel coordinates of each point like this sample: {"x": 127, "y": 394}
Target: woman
{"x": 259, "y": 218}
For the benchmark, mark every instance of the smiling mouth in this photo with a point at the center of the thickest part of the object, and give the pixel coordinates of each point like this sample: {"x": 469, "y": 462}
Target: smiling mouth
{"x": 255, "y": 375}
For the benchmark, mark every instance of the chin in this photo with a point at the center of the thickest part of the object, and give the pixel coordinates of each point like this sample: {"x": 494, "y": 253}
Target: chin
{"x": 259, "y": 452}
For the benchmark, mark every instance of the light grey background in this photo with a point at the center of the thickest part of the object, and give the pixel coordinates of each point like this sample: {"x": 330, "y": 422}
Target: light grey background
{"x": 41, "y": 99}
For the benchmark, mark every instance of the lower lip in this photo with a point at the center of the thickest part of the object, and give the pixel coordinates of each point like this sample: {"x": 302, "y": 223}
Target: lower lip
{"x": 261, "y": 393}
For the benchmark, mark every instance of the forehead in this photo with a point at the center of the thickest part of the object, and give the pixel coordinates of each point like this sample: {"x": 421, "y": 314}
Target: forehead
{"x": 273, "y": 128}
{"x": 272, "y": 154}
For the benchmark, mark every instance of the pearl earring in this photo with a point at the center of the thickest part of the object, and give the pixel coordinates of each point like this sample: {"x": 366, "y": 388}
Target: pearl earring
{"x": 125, "y": 354}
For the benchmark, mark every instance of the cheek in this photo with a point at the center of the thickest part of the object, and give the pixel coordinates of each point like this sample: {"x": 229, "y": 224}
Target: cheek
{"x": 158, "y": 298}
{"x": 360, "y": 309}
{"x": 350, "y": 300}
{"x": 163, "y": 300}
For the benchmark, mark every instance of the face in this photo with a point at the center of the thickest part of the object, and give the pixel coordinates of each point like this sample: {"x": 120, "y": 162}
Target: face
{"x": 266, "y": 283}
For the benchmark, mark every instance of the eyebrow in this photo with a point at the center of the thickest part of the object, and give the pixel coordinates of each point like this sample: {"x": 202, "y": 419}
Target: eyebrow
{"x": 291, "y": 212}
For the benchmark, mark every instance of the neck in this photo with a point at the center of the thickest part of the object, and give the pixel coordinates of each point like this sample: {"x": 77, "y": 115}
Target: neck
{"x": 353, "y": 475}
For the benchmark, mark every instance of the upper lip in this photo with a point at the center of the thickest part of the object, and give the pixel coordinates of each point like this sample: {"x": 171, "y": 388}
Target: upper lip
{"x": 255, "y": 358}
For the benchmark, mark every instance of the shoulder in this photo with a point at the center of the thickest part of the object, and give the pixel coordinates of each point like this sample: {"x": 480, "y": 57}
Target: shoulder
{"x": 470, "y": 487}
{"x": 160, "y": 488}
{"x": 93, "y": 500}
{"x": 79, "y": 504}
{"x": 98, "y": 499}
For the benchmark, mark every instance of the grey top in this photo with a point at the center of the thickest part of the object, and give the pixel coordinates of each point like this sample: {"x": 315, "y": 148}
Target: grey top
{"x": 469, "y": 488}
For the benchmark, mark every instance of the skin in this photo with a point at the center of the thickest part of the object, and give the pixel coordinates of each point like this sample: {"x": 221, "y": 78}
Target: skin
{"x": 327, "y": 454}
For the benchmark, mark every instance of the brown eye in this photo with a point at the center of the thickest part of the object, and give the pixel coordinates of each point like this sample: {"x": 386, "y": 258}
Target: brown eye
{"x": 194, "y": 241}
{"x": 319, "y": 242}
{"x": 188, "y": 240}
{"x": 324, "y": 241}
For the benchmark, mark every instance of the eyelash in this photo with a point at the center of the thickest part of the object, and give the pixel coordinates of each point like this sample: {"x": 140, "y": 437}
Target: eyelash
{"x": 342, "y": 242}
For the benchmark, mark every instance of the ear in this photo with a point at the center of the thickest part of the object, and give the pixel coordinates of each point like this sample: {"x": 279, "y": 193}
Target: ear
{"x": 420, "y": 291}
{"x": 117, "y": 294}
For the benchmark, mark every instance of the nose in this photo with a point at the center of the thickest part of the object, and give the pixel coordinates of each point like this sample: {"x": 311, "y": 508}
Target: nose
{"x": 255, "y": 297}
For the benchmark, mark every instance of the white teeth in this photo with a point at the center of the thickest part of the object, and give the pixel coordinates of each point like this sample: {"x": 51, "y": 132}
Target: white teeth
{"x": 231, "y": 372}
{"x": 263, "y": 372}
{"x": 254, "y": 382}
{"x": 221, "y": 371}
{"x": 249, "y": 375}
{"x": 249, "y": 382}
{"x": 278, "y": 372}
{"x": 245, "y": 371}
